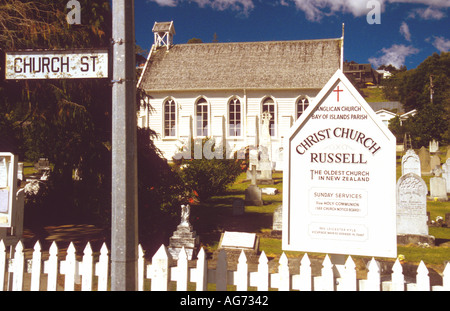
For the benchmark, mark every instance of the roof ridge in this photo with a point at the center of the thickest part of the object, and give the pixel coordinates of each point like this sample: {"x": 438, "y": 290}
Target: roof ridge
{"x": 258, "y": 42}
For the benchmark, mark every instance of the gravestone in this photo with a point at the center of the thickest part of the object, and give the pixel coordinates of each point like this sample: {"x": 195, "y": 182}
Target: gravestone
{"x": 239, "y": 241}
{"x": 412, "y": 219}
{"x": 277, "y": 225}
{"x": 184, "y": 236}
{"x": 435, "y": 162}
{"x": 411, "y": 163}
{"x": 434, "y": 146}
{"x": 339, "y": 177}
{"x": 265, "y": 160}
{"x": 424, "y": 156}
{"x": 438, "y": 186}
{"x": 446, "y": 174}
{"x": 238, "y": 207}
{"x": 253, "y": 194}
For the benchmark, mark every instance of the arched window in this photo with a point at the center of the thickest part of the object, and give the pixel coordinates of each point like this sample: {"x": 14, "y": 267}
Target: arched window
{"x": 202, "y": 117}
{"x": 302, "y": 104}
{"x": 269, "y": 105}
{"x": 170, "y": 118}
{"x": 234, "y": 117}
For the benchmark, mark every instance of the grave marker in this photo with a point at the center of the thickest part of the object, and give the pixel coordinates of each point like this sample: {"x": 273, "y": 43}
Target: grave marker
{"x": 340, "y": 177}
{"x": 411, "y": 163}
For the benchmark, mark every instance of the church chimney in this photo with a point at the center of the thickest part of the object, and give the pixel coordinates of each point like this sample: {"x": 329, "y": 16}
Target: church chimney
{"x": 163, "y": 33}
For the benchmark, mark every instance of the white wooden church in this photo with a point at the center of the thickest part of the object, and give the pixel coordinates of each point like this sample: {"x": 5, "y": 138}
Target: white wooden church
{"x": 220, "y": 90}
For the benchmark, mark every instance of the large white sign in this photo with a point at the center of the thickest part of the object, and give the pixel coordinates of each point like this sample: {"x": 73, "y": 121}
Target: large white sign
{"x": 339, "y": 181}
{"x": 56, "y": 64}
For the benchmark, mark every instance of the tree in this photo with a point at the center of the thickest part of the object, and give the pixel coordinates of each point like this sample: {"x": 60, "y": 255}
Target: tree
{"x": 413, "y": 89}
{"x": 194, "y": 41}
{"x": 67, "y": 121}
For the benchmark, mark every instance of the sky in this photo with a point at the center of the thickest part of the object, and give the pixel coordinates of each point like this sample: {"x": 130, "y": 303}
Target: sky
{"x": 396, "y": 32}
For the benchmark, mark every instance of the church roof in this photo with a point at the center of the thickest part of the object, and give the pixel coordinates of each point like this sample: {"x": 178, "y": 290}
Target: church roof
{"x": 305, "y": 64}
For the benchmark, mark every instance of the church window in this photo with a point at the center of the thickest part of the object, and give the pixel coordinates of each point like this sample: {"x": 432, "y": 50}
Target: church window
{"x": 202, "y": 117}
{"x": 269, "y": 106}
{"x": 170, "y": 118}
{"x": 302, "y": 104}
{"x": 234, "y": 112}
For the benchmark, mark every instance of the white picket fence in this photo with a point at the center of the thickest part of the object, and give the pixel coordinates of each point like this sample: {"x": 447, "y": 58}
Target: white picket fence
{"x": 92, "y": 273}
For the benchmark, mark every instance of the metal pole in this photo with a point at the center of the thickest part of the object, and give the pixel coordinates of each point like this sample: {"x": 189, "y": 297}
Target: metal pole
{"x": 124, "y": 224}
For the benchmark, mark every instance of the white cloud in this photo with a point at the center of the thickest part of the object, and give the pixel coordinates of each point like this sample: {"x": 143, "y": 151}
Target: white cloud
{"x": 429, "y": 13}
{"x": 171, "y": 3}
{"x": 315, "y": 10}
{"x": 442, "y": 44}
{"x": 404, "y": 30}
{"x": 395, "y": 56}
{"x": 245, "y": 6}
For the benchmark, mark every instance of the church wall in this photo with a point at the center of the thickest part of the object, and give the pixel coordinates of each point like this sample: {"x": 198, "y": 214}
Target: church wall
{"x": 251, "y": 103}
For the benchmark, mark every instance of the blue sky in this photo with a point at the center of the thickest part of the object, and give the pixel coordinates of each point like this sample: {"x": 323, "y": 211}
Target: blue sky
{"x": 409, "y": 30}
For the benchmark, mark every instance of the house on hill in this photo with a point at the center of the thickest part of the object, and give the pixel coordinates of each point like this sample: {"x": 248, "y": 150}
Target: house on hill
{"x": 221, "y": 90}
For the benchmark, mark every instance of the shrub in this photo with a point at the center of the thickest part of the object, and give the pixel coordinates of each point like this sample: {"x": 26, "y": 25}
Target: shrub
{"x": 210, "y": 177}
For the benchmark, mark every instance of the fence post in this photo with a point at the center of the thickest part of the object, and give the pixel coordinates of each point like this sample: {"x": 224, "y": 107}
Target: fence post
{"x": 69, "y": 268}
{"x": 241, "y": 279}
{"x": 18, "y": 267}
{"x": 51, "y": 267}
{"x": 200, "y": 272}
{"x": 422, "y": 278}
{"x": 305, "y": 279}
{"x": 87, "y": 268}
{"x": 36, "y": 268}
{"x": 102, "y": 269}
{"x": 446, "y": 277}
{"x": 141, "y": 268}
{"x": 285, "y": 279}
{"x": 260, "y": 279}
{"x": 159, "y": 270}
{"x": 348, "y": 281}
{"x": 327, "y": 278}
{"x": 182, "y": 271}
{"x": 221, "y": 271}
{"x": 398, "y": 279}
{"x": 3, "y": 265}
{"x": 373, "y": 281}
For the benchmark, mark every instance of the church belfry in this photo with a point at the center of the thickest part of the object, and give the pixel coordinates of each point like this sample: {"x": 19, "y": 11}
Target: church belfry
{"x": 163, "y": 33}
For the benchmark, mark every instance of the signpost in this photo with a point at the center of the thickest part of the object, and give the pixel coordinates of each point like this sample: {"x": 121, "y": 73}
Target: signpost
{"x": 340, "y": 178}
{"x": 56, "y": 64}
{"x": 124, "y": 237}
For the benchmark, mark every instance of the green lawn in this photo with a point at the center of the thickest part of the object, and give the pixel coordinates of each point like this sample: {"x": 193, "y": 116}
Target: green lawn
{"x": 215, "y": 216}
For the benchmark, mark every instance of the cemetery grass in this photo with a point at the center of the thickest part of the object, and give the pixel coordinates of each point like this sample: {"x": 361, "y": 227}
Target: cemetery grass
{"x": 212, "y": 218}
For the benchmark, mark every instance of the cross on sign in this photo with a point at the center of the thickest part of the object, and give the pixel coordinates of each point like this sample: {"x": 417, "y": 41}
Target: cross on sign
{"x": 337, "y": 91}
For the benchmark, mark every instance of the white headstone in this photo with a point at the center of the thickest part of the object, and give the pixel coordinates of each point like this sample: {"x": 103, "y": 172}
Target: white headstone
{"x": 238, "y": 240}
{"x": 434, "y": 146}
{"x": 340, "y": 177}
{"x": 411, "y": 163}
{"x": 446, "y": 174}
{"x": 412, "y": 205}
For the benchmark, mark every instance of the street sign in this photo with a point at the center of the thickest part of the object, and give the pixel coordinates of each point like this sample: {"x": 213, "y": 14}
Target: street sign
{"x": 56, "y": 64}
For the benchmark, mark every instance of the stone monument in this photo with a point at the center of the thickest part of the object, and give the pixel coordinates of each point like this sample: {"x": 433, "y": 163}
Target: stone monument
{"x": 277, "y": 226}
{"x": 411, "y": 163}
{"x": 446, "y": 174}
{"x": 424, "y": 157}
{"x": 434, "y": 146}
{"x": 184, "y": 236}
{"x": 262, "y": 157}
{"x": 412, "y": 216}
{"x": 438, "y": 186}
{"x": 253, "y": 194}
